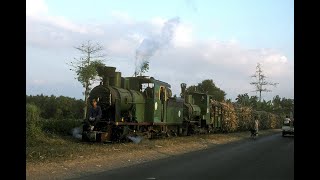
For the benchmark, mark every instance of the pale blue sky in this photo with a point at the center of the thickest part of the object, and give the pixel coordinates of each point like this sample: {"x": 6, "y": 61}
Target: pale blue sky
{"x": 253, "y": 24}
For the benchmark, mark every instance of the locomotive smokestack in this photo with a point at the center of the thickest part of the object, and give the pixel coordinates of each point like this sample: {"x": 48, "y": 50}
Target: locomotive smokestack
{"x": 105, "y": 81}
{"x": 183, "y": 89}
{"x": 107, "y": 74}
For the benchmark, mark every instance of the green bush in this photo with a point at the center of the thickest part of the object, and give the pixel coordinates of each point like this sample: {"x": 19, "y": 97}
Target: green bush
{"x": 60, "y": 126}
{"x": 57, "y": 107}
{"x": 33, "y": 125}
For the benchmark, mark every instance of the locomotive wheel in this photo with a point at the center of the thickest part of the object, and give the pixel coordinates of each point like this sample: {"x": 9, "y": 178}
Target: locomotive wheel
{"x": 185, "y": 128}
{"x": 151, "y": 134}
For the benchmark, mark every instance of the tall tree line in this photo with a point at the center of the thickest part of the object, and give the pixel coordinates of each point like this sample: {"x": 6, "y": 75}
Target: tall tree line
{"x": 278, "y": 105}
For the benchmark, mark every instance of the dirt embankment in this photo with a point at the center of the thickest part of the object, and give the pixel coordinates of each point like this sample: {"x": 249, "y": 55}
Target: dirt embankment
{"x": 91, "y": 158}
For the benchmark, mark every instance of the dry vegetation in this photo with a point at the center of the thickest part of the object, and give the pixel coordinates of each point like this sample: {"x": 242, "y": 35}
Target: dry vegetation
{"x": 61, "y": 157}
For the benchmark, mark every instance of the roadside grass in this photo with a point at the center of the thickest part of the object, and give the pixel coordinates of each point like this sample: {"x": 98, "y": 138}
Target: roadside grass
{"x": 60, "y": 157}
{"x": 56, "y": 148}
{"x": 51, "y": 140}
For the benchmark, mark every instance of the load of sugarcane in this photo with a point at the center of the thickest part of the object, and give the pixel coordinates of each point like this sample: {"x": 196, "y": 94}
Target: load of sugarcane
{"x": 230, "y": 122}
{"x": 241, "y": 118}
{"x": 244, "y": 115}
{"x": 275, "y": 121}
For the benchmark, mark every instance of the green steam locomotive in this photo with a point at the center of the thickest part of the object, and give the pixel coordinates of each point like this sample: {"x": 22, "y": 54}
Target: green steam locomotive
{"x": 145, "y": 106}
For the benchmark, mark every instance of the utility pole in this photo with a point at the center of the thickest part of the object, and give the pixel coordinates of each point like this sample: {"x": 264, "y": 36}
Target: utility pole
{"x": 260, "y": 81}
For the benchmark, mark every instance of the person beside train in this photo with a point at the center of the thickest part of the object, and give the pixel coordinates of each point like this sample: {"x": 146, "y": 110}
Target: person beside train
{"x": 254, "y": 128}
{"x": 95, "y": 114}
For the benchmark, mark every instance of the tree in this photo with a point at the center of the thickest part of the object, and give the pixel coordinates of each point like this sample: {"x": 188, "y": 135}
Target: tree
{"x": 85, "y": 67}
{"x": 276, "y": 101}
{"x": 144, "y": 68}
{"x": 287, "y": 106}
{"x": 243, "y": 99}
{"x": 207, "y": 86}
{"x": 261, "y": 82}
{"x": 254, "y": 101}
{"x": 265, "y": 106}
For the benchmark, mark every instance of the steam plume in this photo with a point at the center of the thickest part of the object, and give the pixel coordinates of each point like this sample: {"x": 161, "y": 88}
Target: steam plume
{"x": 77, "y": 132}
{"x": 150, "y": 45}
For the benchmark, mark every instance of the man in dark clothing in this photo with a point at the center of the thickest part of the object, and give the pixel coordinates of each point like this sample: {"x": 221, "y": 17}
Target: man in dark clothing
{"x": 95, "y": 114}
{"x": 162, "y": 94}
{"x": 162, "y": 99}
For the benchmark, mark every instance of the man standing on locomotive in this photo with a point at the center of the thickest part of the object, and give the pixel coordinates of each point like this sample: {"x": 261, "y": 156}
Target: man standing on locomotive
{"x": 95, "y": 114}
{"x": 162, "y": 99}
